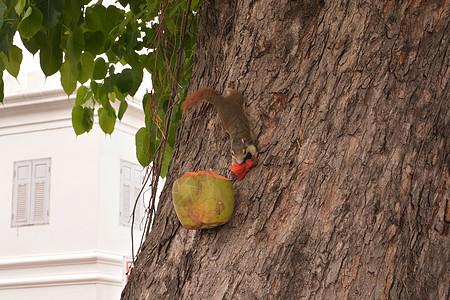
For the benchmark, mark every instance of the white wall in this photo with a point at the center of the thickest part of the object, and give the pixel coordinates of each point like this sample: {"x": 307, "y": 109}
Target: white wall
{"x": 73, "y": 192}
{"x": 84, "y": 223}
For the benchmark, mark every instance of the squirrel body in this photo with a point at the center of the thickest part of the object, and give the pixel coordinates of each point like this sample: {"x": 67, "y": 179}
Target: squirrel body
{"x": 233, "y": 118}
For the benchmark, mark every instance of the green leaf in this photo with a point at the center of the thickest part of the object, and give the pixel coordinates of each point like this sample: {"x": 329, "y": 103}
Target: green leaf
{"x": 13, "y": 60}
{"x": 153, "y": 8}
{"x": 122, "y": 109}
{"x": 144, "y": 148}
{"x": 51, "y": 54}
{"x": 130, "y": 39}
{"x": 125, "y": 81}
{"x": 173, "y": 129}
{"x": 68, "y": 81}
{"x": 195, "y": 3}
{"x": 123, "y": 2}
{"x": 146, "y": 107}
{"x": 134, "y": 60}
{"x": 72, "y": 11}
{"x": 20, "y": 5}
{"x": 89, "y": 95}
{"x": 101, "y": 94}
{"x": 82, "y": 119}
{"x": 119, "y": 95}
{"x": 106, "y": 120}
{"x": 167, "y": 157}
{"x": 88, "y": 118}
{"x": 87, "y": 66}
{"x": 31, "y": 23}
{"x": 112, "y": 97}
{"x": 100, "y": 69}
{"x": 113, "y": 16}
{"x": 2, "y": 11}
{"x": 34, "y": 44}
{"x": 136, "y": 75}
{"x": 94, "y": 88}
{"x": 107, "y": 106}
{"x": 94, "y": 17}
{"x": 6, "y": 35}
{"x": 94, "y": 41}
{"x": 75, "y": 45}
{"x": 118, "y": 50}
{"x": 110, "y": 81}
{"x": 2, "y": 87}
{"x": 81, "y": 95}
{"x": 106, "y": 45}
{"x": 51, "y": 9}
{"x": 77, "y": 119}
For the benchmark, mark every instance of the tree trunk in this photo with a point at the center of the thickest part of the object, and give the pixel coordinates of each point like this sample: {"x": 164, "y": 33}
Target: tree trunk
{"x": 349, "y": 103}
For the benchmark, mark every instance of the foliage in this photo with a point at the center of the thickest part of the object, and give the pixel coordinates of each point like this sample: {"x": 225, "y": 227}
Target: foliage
{"x": 85, "y": 42}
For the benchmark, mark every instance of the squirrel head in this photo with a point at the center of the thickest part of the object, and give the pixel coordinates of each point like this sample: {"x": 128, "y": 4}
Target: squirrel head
{"x": 239, "y": 150}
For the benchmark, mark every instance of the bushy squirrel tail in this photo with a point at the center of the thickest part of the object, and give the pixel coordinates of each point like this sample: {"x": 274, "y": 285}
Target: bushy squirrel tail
{"x": 201, "y": 95}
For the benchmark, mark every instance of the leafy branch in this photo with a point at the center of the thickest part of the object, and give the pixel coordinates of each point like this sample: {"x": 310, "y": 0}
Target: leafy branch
{"x": 101, "y": 53}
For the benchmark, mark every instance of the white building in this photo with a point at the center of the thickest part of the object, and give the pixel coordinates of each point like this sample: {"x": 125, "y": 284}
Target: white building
{"x": 64, "y": 200}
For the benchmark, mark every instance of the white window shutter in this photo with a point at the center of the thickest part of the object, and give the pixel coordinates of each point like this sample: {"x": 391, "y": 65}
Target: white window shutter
{"x": 139, "y": 212}
{"x": 130, "y": 186}
{"x": 31, "y": 194}
{"x": 21, "y": 193}
{"x": 40, "y": 191}
{"x": 125, "y": 193}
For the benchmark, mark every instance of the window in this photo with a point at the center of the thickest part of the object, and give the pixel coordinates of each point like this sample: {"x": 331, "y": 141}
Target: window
{"x": 130, "y": 186}
{"x": 31, "y": 192}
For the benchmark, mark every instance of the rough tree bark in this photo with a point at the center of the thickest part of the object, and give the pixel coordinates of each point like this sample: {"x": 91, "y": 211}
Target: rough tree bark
{"x": 349, "y": 102}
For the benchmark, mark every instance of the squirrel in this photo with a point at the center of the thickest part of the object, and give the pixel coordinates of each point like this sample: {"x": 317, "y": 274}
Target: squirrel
{"x": 233, "y": 118}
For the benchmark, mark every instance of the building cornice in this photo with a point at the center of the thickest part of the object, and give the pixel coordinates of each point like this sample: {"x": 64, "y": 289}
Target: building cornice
{"x": 8, "y": 263}
{"x": 58, "y": 280}
{"x": 51, "y": 109}
{"x": 55, "y": 98}
{"x": 62, "y": 273}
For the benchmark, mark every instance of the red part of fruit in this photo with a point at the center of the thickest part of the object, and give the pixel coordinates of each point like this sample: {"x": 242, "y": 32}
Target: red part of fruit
{"x": 240, "y": 170}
